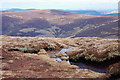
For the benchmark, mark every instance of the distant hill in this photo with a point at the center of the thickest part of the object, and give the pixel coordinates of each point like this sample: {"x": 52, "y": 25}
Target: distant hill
{"x": 93, "y": 12}
{"x": 87, "y": 12}
{"x": 90, "y": 12}
{"x": 111, "y": 13}
{"x": 55, "y": 23}
{"x": 16, "y": 9}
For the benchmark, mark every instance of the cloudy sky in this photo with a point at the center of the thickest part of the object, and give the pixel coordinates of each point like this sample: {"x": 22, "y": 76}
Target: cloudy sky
{"x": 60, "y": 4}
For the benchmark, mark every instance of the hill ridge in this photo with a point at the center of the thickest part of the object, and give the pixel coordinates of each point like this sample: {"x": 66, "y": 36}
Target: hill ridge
{"x": 54, "y": 23}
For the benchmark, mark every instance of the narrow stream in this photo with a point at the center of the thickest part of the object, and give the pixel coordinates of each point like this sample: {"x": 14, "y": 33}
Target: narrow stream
{"x": 63, "y": 52}
{"x": 88, "y": 64}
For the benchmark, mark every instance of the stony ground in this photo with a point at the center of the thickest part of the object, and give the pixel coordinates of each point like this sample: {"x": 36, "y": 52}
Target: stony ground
{"x": 29, "y": 57}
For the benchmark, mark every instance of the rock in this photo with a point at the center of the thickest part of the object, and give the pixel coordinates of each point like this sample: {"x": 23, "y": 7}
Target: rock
{"x": 10, "y": 61}
{"x": 42, "y": 51}
{"x": 65, "y": 62}
{"x": 52, "y": 56}
{"x": 17, "y": 58}
{"x": 61, "y": 55}
{"x": 73, "y": 67}
{"x": 64, "y": 58}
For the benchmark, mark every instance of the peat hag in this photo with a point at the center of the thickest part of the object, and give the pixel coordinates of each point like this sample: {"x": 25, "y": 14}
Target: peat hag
{"x": 100, "y": 67}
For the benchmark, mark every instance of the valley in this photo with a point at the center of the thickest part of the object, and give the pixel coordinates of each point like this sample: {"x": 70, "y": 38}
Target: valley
{"x": 59, "y": 24}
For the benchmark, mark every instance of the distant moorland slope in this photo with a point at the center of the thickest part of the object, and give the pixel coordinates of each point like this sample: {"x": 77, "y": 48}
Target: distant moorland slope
{"x": 55, "y": 23}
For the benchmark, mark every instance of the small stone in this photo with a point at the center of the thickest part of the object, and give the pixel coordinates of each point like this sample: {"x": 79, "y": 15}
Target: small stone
{"x": 52, "y": 56}
{"x": 64, "y": 58}
{"x": 10, "y": 61}
{"x": 73, "y": 67}
{"x": 42, "y": 51}
{"x": 64, "y": 62}
{"x": 61, "y": 55}
{"x": 17, "y": 58}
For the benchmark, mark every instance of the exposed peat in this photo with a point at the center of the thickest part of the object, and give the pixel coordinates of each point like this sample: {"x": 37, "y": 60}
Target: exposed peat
{"x": 94, "y": 65}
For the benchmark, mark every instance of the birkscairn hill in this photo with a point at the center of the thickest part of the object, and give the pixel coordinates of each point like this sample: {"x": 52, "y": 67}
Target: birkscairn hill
{"x": 55, "y": 23}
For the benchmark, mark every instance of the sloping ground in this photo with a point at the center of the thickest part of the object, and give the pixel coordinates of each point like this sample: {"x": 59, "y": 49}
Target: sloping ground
{"x": 21, "y": 55}
{"x": 54, "y": 23}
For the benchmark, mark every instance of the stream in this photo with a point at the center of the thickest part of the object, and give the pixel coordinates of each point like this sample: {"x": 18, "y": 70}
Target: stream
{"x": 63, "y": 52}
{"x": 87, "y": 64}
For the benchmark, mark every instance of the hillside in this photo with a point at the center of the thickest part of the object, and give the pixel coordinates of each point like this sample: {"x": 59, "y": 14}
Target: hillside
{"x": 54, "y": 23}
{"x": 38, "y": 57}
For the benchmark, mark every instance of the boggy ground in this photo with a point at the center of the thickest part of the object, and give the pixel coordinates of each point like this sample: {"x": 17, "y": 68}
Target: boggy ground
{"x": 20, "y": 65}
{"x": 22, "y": 57}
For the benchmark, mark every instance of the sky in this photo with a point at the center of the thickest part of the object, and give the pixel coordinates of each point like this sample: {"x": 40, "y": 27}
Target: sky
{"x": 60, "y": 4}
